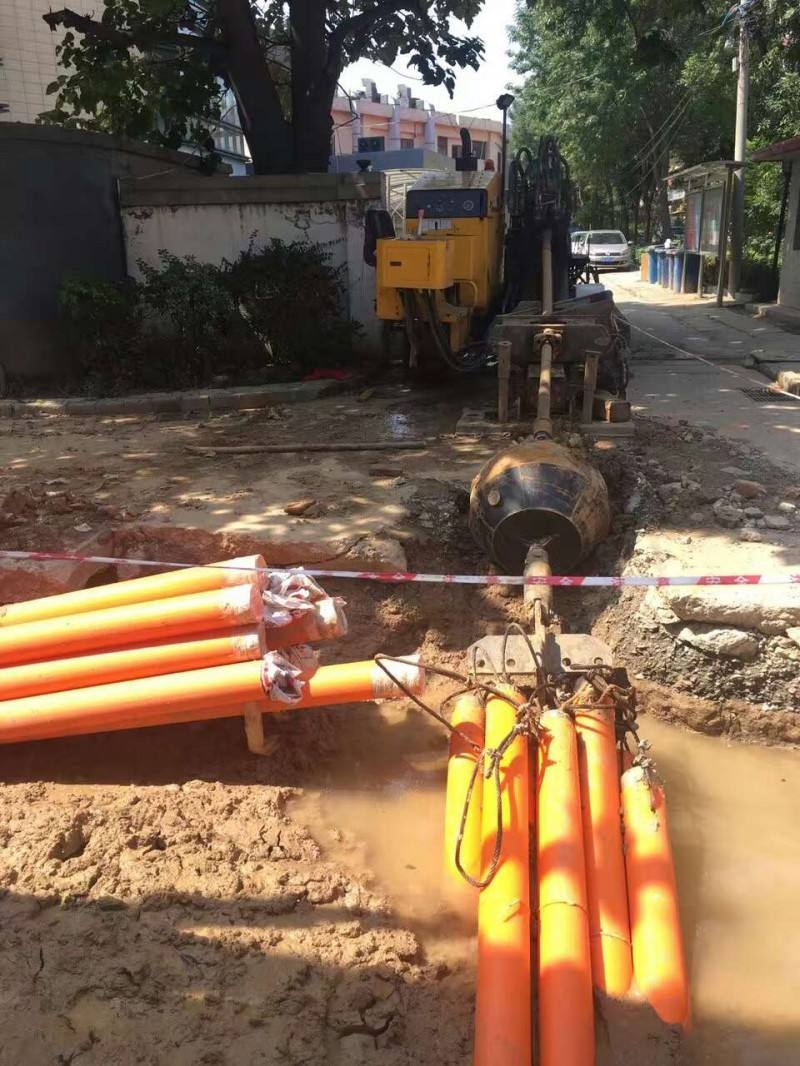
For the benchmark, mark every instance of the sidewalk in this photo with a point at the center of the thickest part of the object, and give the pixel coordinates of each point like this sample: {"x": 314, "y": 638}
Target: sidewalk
{"x": 736, "y": 353}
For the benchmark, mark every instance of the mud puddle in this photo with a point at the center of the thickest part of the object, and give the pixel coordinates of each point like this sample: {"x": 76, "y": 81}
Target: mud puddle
{"x": 734, "y": 813}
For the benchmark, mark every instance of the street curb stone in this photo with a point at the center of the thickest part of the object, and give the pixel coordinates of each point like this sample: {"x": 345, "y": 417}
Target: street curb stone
{"x": 194, "y": 403}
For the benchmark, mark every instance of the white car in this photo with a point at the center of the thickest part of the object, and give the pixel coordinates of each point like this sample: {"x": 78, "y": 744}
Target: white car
{"x": 607, "y": 249}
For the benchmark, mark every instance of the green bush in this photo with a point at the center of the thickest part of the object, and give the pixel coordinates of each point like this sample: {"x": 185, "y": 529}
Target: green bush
{"x": 187, "y": 305}
{"x": 103, "y": 334}
{"x": 293, "y": 300}
{"x": 275, "y": 312}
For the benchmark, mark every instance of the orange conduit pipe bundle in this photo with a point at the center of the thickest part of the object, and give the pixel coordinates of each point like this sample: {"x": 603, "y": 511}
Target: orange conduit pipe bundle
{"x": 659, "y": 965}
{"x": 154, "y": 621}
{"x": 198, "y": 695}
{"x": 124, "y": 664}
{"x": 503, "y": 1027}
{"x": 149, "y": 650}
{"x": 462, "y": 807}
{"x": 609, "y": 927}
{"x": 323, "y": 620}
{"x": 566, "y": 1008}
{"x": 246, "y": 571}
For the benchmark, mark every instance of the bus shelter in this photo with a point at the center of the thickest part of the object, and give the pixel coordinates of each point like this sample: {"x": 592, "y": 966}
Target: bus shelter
{"x": 708, "y": 189}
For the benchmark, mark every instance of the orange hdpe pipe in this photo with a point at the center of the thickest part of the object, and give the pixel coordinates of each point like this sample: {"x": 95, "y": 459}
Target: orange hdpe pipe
{"x": 138, "y": 590}
{"x": 192, "y": 696}
{"x": 566, "y": 1009}
{"x": 228, "y": 608}
{"x": 503, "y": 1005}
{"x": 33, "y": 679}
{"x": 609, "y": 927}
{"x": 323, "y": 620}
{"x": 659, "y": 965}
{"x": 469, "y": 717}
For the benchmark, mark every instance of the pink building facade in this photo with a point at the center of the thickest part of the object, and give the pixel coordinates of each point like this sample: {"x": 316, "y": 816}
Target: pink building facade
{"x": 368, "y": 122}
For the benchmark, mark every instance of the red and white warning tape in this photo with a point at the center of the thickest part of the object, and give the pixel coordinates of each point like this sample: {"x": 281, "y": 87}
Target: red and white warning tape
{"x": 403, "y": 576}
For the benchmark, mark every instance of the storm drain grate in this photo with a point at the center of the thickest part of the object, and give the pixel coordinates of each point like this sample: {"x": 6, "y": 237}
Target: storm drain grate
{"x": 768, "y": 396}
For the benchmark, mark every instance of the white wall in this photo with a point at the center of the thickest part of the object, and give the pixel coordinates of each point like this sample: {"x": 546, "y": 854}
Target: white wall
{"x": 215, "y": 231}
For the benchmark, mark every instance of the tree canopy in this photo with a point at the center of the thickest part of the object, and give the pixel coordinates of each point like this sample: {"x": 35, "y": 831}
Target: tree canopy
{"x": 157, "y": 69}
{"x": 636, "y": 88}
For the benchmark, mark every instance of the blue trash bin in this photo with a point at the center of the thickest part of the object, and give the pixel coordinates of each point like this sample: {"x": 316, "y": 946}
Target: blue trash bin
{"x": 653, "y": 264}
{"x": 669, "y": 273}
{"x": 677, "y": 270}
{"x": 692, "y": 271}
{"x": 659, "y": 257}
{"x": 663, "y": 268}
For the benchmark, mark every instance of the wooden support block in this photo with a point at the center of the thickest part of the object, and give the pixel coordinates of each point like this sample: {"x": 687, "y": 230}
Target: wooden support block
{"x": 257, "y": 742}
{"x": 610, "y": 408}
{"x": 607, "y": 429}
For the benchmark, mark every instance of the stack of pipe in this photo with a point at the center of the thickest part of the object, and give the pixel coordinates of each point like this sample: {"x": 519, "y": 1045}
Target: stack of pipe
{"x": 183, "y": 646}
{"x": 604, "y": 890}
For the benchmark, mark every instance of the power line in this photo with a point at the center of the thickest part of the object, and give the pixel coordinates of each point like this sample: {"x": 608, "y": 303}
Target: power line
{"x": 654, "y": 164}
{"x": 654, "y": 137}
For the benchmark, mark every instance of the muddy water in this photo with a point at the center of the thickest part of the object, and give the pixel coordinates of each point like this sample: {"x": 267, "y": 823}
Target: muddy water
{"x": 735, "y": 826}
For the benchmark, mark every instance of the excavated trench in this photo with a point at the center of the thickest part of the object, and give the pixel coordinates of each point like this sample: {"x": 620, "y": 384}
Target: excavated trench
{"x": 168, "y": 897}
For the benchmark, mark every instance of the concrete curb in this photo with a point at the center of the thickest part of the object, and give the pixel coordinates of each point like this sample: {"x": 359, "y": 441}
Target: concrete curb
{"x": 196, "y": 403}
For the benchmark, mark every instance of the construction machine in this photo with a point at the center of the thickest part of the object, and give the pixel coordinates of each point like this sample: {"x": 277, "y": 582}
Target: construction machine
{"x": 543, "y": 728}
{"x": 485, "y": 262}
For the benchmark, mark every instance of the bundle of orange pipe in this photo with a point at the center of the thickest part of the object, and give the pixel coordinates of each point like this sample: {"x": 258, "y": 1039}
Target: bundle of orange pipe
{"x": 157, "y": 649}
{"x": 503, "y": 1024}
{"x": 607, "y": 914}
{"x": 193, "y": 696}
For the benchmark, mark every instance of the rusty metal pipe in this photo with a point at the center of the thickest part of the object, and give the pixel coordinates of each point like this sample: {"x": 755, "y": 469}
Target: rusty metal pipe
{"x": 537, "y": 564}
{"x": 543, "y": 425}
{"x": 547, "y": 272}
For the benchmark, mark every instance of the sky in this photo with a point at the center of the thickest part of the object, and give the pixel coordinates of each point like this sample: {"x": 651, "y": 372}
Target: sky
{"x": 475, "y": 91}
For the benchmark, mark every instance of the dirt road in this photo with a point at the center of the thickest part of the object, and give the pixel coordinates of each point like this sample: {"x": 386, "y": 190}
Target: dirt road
{"x": 167, "y": 898}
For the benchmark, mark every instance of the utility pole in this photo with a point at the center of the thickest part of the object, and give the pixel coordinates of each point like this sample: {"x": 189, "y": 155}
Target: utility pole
{"x": 504, "y": 102}
{"x": 740, "y": 147}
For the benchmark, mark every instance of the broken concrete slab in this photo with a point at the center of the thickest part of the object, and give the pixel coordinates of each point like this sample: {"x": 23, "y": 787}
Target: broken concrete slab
{"x": 777, "y": 521}
{"x": 771, "y": 610}
{"x": 729, "y": 643}
{"x": 656, "y": 605}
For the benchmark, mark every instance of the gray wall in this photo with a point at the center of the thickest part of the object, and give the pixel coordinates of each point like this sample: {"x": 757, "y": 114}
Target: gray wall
{"x": 219, "y": 217}
{"x": 58, "y": 218}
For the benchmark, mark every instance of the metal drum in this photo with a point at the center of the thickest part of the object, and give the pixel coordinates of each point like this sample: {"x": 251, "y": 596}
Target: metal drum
{"x": 538, "y": 492}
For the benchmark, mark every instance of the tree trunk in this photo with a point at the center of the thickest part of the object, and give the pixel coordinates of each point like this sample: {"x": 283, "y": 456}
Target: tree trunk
{"x": 663, "y": 200}
{"x": 648, "y": 214}
{"x": 258, "y": 103}
{"x": 314, "y": 79}
{"x": 612, "y": 211}
{"x": 636, "y": 203}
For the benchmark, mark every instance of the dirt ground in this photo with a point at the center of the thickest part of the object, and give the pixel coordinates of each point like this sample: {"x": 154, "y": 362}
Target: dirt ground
{"x": 165, "y": 896}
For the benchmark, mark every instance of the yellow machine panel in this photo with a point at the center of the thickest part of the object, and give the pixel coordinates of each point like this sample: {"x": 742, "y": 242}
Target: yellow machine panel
{"x": 405, "y": 264}
{"x": 445, "y": 275}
